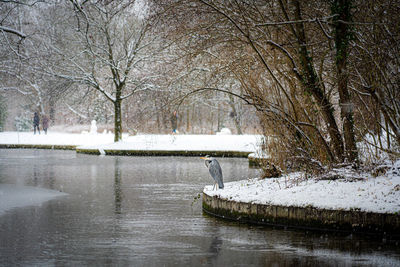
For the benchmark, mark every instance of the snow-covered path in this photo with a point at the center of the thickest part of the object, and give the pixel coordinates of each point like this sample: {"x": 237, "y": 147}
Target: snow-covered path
{"x": 54, "y": 138}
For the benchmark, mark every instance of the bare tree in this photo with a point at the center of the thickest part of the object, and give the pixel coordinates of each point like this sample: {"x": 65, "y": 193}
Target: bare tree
{"x": 341, "y": 10}
{"x": 295, "y": 63}
{"x": 111, "y": 48}
{"x": 22, "y": 54}
{"x": 376, "y": 82}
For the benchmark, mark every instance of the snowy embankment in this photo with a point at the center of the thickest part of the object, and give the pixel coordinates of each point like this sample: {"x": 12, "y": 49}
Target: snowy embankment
{"x": 54, "y": 138}
{"x": 14, "y": 196}
{"x": 244, "y": 143}
{"x": 365, "y": 193}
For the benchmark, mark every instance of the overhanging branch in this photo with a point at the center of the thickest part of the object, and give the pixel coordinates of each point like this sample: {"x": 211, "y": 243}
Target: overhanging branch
{"x": 12, "y": 31}
{"x": 182, "y": 98}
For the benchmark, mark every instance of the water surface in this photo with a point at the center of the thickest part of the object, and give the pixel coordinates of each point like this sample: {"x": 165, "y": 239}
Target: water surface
{"x": 142, "y": 211}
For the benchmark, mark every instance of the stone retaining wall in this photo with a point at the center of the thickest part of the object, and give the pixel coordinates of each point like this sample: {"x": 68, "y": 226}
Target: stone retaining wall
{"x": 304, "y": 217}
{"x": 185, "y": 153}
{"x": 33, "y": 146}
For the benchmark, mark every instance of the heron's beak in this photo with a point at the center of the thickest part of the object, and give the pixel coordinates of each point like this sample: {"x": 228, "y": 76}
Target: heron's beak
{"x": 204, "y": 157}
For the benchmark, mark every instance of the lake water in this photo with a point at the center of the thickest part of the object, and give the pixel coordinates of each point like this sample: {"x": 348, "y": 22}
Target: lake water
{"x": 142, "y": 211}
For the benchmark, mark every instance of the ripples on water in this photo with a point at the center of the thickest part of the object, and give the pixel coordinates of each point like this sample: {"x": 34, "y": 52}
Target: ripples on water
{"x": 142, "y": 211}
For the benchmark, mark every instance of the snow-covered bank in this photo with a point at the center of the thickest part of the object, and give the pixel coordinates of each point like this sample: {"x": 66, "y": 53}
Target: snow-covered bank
{"x": 370, "y": 194}
{"x": 14, "y": 196}
{"x": 245, "y": 143}
{"x": 54, "y": 138}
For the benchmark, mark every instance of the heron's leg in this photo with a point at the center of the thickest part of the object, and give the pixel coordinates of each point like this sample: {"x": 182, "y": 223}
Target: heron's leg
{"x": 213, "y": 186}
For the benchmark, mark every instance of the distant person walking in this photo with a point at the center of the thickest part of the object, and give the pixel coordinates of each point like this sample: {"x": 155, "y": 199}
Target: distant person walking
{"x": 45, "y": 123}
{"x": 36, "y": 121}
{"x": 174, "y": 122}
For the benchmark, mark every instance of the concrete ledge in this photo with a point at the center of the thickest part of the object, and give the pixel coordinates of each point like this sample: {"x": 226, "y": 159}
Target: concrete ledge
{"x": 304, "y": 217}
{"x": 30, "y": 146}
{"x": 185, "y": 153}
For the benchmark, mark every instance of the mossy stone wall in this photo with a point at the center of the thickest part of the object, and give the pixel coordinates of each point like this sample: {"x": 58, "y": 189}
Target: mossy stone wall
{"x": 32, "y": 146}
{"x": 186, "y": 153}
{"x": 304, "y": 217}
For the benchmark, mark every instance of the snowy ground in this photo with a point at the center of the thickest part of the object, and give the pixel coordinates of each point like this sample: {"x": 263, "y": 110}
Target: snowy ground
{"x": 365, "y": 193}
{"x": 13, "y": 196}
{"x": 244, "y": 143}
{"x": 54, "y": 138}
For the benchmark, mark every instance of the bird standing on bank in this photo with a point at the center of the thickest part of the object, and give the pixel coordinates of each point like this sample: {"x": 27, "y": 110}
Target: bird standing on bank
{"x": 215, "y": 170}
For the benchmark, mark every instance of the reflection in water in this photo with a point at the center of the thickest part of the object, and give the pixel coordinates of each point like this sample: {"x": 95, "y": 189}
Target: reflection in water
{"x": 117, "y": 186}
{"x": 215, "y": 248}
{"x": 51, "y": 177}
{"x": 138, "y": 211}
{"x": 35, "y": 174}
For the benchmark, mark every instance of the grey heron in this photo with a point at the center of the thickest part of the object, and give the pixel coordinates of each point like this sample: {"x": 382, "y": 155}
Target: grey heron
{"x": 215, "y": 170}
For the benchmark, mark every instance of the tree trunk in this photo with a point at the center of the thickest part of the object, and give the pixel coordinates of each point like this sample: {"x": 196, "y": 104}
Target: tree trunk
{"x": 158, "y": 114}
{"x": 187, "y": 119}
{"x": 117, "y": 120}
{"x": 235, "y": 115}
{"x": 342, "y": 37}
{"x": 219, "y": 121}
{"x": 312, "y": 86}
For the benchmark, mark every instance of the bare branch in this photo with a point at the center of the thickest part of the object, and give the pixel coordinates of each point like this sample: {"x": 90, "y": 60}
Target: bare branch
{"x": 12, "y": 31}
